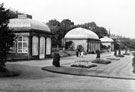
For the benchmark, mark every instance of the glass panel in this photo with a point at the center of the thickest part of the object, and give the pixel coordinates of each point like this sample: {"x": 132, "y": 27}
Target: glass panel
{"x": 25, "y": 50}
{"x": 25, "y": 39}
{"x": 25, "y": 44}
{"x": 35, "y": 45}
{"x": 42, "y": 47}
{"x": 19, "y": 38}
{"x": 19, "y": 45}
{"x": 48, "y": 46}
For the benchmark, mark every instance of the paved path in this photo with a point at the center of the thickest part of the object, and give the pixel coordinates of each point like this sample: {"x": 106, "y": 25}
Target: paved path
{"x": 121, "y": 68}
{"x": 33, "y": 79}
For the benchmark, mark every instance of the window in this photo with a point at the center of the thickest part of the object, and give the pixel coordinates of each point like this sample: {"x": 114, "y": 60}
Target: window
{"x": 22, "y": 44}
{"x": 35, "y": 45}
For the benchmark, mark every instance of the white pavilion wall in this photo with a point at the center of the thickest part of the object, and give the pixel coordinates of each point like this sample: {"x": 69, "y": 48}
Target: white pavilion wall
{"x": 93, "y": 45}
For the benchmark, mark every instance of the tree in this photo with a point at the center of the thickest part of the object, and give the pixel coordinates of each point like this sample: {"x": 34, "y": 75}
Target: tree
{"x": 59, "y": 29}
{"x": 100, "y": 31}
{"x": 6, "y": 36}
{"x": 66, "y": 25}
{"x": 54, "y": 26}
{"x": 90, "y": 25}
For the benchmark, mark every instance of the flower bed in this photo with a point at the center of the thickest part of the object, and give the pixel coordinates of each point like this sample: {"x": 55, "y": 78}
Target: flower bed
{"x": 126, "y": 54}
{"x": 113, "y": 58}
{"x": 101, "y": 61}
{"x": 119, "y": 55}
{"x": 83, "y": 64}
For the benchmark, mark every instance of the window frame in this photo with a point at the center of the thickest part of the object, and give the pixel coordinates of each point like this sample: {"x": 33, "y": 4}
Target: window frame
{"x": 21, "y": 48}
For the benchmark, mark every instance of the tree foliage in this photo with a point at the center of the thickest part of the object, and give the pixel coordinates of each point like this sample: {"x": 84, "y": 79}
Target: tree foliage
{"x": 100, "y": 31}
{"x": 59, "y": 29}
{"x": 54, "y": 26}
{"x": 127, "y": 42}
{"x": 6, "y": 35}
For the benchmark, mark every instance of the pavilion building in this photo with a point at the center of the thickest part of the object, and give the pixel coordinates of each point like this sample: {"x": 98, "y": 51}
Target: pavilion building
{"x": 33, "y": 38}
{"x": 81, "y": 36}
{"x": 108, "y": 42}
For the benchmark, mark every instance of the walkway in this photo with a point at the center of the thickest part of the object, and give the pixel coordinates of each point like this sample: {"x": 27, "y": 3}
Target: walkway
{"x": 120, "y": 68}
{"x": 33, "y": 79}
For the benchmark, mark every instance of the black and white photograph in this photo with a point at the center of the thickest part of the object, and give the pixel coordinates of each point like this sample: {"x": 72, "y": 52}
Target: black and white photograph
{"x": 67, "y": 46}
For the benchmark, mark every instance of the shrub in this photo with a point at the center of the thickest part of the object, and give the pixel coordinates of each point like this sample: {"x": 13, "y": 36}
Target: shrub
{"x": 56, "y": 60}
{"x": 84, "y": 66}
{"x": 119, "y": 55}
{"x": 101, "y": 61}
{"x": 126, "y": 54}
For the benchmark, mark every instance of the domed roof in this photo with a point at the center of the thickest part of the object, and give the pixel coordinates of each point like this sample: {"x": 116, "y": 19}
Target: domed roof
{"x": 81, "y": 33}
{"x": 106, "y": 39}
{"x": 27, "y": 24}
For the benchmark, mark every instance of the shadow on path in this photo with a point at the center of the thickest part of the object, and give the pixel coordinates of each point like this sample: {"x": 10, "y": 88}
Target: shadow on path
{"x": 29, "y": 72}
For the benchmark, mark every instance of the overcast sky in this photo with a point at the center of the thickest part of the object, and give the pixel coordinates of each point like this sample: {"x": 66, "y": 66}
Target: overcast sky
{"x": 116, "y": 15}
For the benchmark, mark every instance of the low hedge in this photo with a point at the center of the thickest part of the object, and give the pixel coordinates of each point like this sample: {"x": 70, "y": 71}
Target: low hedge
{"x": 101, "y": 61}
{"x": 119, "y": 55}
{"x": 126, "y": 54}
{"x": 84, "y": 66}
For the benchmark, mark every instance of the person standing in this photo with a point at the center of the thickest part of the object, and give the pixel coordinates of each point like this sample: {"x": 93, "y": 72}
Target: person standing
{"x": 82, "y": 52}
{"x": 98, "y": 54}
{"x": 133, "y": 62}
{"x": 77, "y": 53}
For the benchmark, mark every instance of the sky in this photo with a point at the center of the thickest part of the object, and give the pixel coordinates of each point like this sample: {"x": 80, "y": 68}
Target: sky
{"x": 118, "y": 16}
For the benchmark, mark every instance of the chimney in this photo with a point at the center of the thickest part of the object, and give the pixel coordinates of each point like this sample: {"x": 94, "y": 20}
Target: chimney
{"x": 22, "y": 16}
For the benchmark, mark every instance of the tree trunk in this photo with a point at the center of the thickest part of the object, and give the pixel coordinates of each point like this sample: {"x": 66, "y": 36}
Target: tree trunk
{"x": 119, "y": 51}
{"x": 115, "y": 52}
